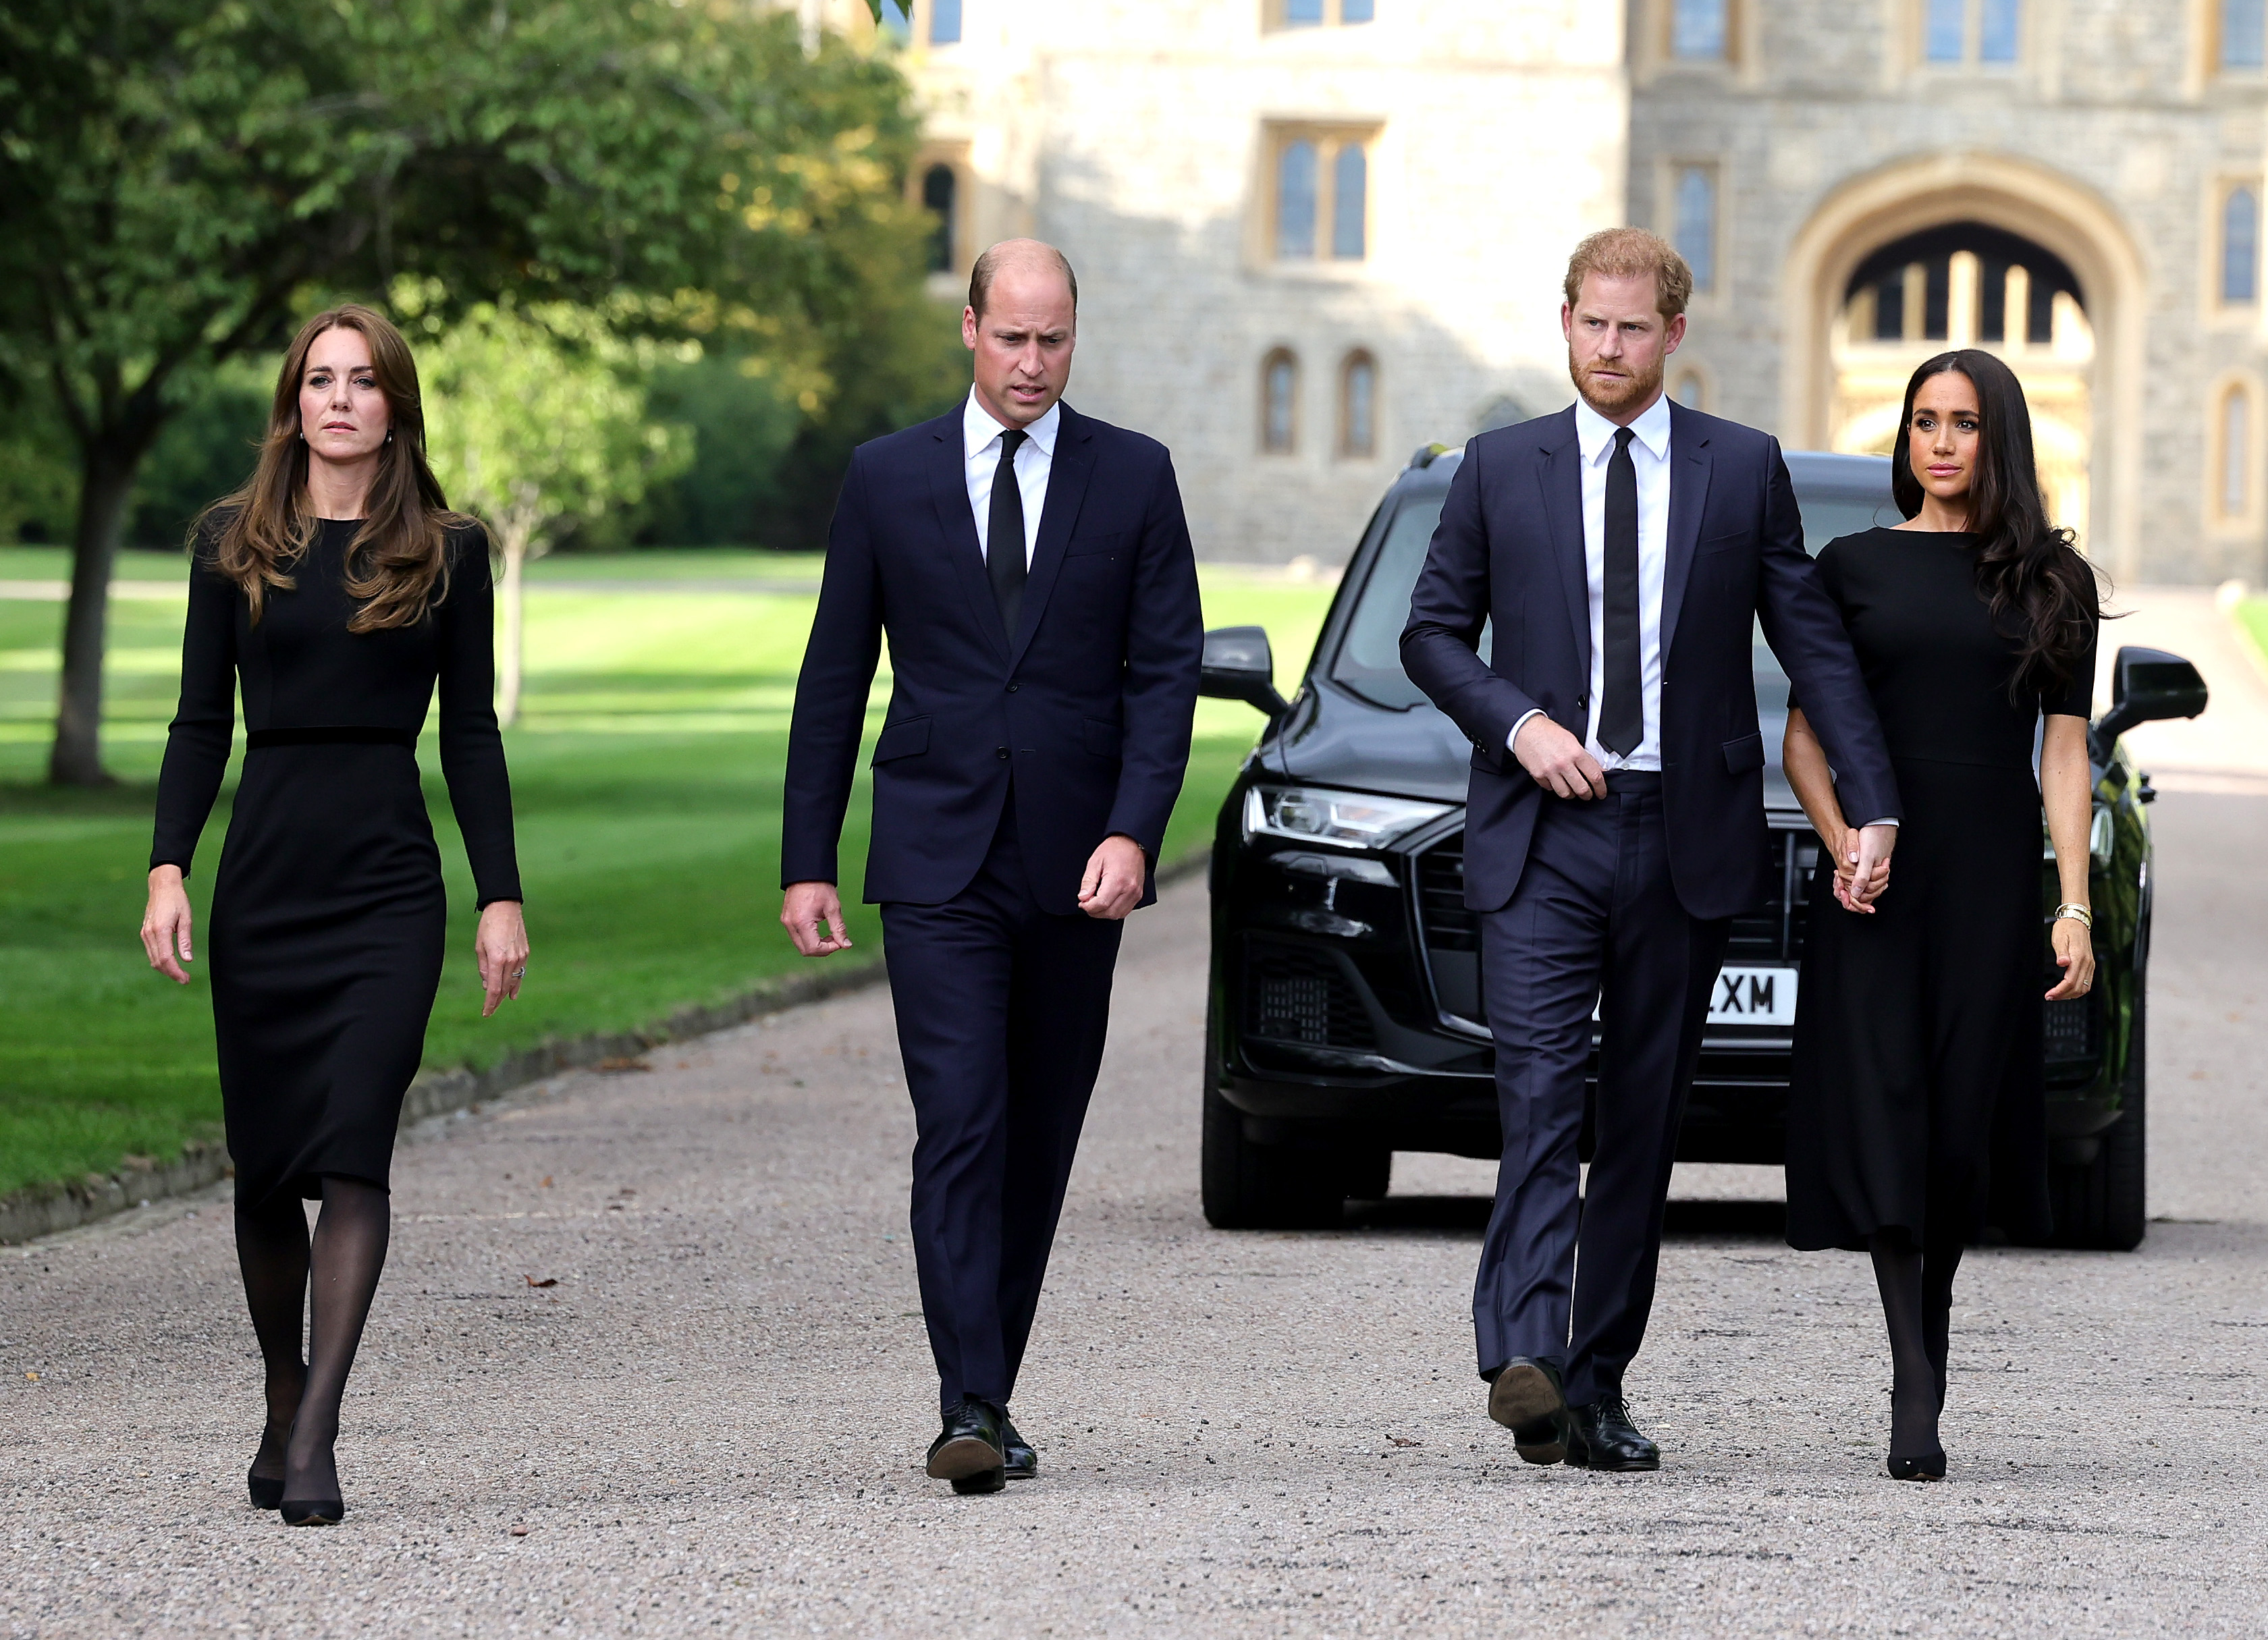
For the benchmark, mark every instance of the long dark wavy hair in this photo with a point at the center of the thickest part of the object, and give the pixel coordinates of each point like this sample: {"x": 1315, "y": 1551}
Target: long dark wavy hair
{"x": 397, "y": 567}
{"x": 2042, "y": 591}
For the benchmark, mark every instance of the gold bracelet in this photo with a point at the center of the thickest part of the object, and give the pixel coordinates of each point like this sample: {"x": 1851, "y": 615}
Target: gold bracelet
{"x": 2078, "y": 913}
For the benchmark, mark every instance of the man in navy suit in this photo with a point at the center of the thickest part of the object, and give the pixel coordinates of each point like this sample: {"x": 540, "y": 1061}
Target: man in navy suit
{"x": 1033, "y": 570}
{"x": 1623, "y": 549}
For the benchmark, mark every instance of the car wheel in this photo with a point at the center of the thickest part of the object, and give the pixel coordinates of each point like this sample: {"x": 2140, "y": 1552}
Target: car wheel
{"x": 1247, "y": 1185}
{"x": 2101, "y": 1205}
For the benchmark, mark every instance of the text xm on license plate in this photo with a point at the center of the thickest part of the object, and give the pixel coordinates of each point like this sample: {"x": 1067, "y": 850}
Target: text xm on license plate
{"x": 1754, "y": 996}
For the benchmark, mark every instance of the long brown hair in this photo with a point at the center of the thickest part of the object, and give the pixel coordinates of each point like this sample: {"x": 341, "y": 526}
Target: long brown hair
{"x": 2042, "y": 591}
{"x": 397, "y": 566}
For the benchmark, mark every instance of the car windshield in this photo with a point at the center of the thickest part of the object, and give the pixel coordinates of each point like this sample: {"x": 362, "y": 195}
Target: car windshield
{"x": 1369, "y": 658}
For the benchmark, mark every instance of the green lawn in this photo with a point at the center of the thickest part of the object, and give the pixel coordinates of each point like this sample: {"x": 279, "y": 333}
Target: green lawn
{"x": 645, "y": 770}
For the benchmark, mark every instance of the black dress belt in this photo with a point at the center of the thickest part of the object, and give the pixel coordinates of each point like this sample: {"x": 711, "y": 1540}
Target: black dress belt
{"x": 352, "y": 734}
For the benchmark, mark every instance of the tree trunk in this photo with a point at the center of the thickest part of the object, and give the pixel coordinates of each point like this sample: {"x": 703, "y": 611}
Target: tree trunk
{"x": 105, "y": 480}
{"x": 513, "y": 540}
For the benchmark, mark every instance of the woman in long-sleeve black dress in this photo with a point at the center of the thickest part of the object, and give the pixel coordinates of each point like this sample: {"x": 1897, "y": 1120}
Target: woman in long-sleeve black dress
{"x": 1916, "y": 1113}
{"x": 335, "y": 589}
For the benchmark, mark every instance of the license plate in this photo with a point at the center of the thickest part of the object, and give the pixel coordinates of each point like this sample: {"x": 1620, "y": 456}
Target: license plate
{"x": 1754, "y": 996}
{"x": 1746, "y": 996}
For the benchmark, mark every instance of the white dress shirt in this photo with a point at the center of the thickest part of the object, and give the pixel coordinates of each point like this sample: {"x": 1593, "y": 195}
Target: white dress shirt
{"x": 1035, "y": 459}
{"x": 1649, "y": 450}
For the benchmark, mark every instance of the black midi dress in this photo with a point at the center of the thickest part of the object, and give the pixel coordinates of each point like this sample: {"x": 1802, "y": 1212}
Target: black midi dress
{"x": 328, "y": 912}
{"x": 1918, "y": 1102}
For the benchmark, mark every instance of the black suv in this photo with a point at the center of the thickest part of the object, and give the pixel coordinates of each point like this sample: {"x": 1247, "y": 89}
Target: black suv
{"x": 1344, "y": 1018}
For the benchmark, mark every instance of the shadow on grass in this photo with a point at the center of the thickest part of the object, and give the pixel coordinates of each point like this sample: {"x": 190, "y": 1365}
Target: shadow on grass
{"x": 128, "y": 800}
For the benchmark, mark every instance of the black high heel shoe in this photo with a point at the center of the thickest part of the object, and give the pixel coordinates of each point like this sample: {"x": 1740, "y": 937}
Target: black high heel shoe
{"x": 1920, "y": 1467}
{"x": 311, "y": 1512}
{"x": 266, "y": 1493}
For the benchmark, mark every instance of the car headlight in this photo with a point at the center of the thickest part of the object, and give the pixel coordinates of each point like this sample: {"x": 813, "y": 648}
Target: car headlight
{"x": 1352, "y": 820}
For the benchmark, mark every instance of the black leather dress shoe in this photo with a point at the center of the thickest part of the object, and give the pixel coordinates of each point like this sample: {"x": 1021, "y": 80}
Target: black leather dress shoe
{"x": 967, "y": 1452}
{"x": 1526, "y": 1398}
{"x": 1601, "y": 1435}
{"x": 1022, "y": 1462}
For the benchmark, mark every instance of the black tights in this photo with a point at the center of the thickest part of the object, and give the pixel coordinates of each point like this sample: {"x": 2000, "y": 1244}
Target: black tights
{"x": 1917, "y": 1287}
{"x": 283, "y": 1265}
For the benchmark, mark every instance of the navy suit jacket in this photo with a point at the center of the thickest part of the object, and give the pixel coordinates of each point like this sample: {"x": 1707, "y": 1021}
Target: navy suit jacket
{"x": 1510, "y": 548}
{"x": 1089, "y": 704}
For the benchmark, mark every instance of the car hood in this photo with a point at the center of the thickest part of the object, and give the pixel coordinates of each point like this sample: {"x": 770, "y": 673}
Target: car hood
{"x": 1334, "y": 737}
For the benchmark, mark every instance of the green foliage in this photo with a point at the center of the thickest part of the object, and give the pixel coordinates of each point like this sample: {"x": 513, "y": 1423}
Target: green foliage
{"x": 206, "y": 450}
{"x": 535, "y": 418}
{"x": 742, "y": 421}
{"x": 38, "y": 481}
{"x": 180, "y": 180}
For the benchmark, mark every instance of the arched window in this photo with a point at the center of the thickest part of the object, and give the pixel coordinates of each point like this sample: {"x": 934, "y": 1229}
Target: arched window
{"x": 944, "y": 22}
{"x": 938, "y": 188}
{"x": 2244, "y": 35}
{"x": 1279, "y": 402}
{"x": 1358, "y": 406}
{"x": 1695, "y": 232}
{"x": 2239, "y": 245}
{"x": 1697, "y": 30}
{"x": 1690, "y": 391}
{"x": 1350, "y": 204}
{"x": 2236, "y": 453}
{"x": 1295, "y": 201}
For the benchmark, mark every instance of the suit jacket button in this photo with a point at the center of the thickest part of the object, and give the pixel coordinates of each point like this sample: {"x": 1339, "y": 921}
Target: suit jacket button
{"x": 1014, "y": 687}
{"x": 999, "y": 751}
{"x": 1582, "y": 701}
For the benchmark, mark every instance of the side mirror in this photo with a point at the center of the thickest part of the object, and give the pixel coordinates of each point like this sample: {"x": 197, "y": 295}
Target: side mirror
{"x": 1239, "y": 667}
{"x": 2147, "y": 685}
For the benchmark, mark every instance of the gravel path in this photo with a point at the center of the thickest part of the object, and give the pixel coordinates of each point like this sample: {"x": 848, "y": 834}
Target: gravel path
{"x": 714, "y": 1420}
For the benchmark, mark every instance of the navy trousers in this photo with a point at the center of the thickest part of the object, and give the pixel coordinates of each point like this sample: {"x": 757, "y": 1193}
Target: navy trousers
{"x": 1565, "y": 1276}
{"x": 1002, "y": 1010}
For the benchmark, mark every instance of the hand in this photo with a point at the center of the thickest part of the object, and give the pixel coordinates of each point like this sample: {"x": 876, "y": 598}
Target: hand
{"x": 1116, "y": 873}
{"x": 1862, "y": 867}
{"x": 1853, "y": 892}
{"x": 812, "y": 913}
{"x": 166, "y": 924}
{"x": 500, "y": 948}
{"x": 2075, "y": 954}
{"x": 1555, "y": 759}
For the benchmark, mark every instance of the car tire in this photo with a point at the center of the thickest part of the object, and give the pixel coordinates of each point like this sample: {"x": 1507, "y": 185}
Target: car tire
{"x": 1250, "y": 1185}
{"x": 2101, "y": 1204}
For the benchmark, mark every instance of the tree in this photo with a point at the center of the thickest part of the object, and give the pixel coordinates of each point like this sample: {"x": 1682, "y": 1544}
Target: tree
{"x": 535, "y": 419}
{"x": 180, "y": 179}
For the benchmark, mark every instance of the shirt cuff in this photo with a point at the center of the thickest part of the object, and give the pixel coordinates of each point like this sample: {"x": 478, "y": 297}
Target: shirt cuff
{"x": 1864, "y": 824}
{"x": 1533, "y": 712}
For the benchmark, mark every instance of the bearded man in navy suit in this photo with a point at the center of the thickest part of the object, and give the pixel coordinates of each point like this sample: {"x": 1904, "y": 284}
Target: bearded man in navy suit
{"x": 1032, "y": 569}
{"x": 1625, "y": 549}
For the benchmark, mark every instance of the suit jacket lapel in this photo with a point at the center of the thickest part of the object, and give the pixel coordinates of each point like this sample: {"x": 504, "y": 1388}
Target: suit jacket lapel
{"x": 949, "y": 491}
{"x": 1559, "y": 472}
{"x": 1688, "y": 493}
{"x": 1067, "y": 474}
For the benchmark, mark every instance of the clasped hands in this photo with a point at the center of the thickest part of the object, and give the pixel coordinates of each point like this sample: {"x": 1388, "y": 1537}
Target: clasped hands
{"x": 1116, "y": 872}
{"x": 1556, "y": 760}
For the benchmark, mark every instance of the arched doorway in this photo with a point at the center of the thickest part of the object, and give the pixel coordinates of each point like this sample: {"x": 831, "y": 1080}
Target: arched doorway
{"x": 1968, "y": 284}
{"x": 1984, "y": 209}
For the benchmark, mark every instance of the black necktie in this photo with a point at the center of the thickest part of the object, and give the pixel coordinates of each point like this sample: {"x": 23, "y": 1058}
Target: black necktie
{"x": 1622, "y": 703}
{"x": 1004, "y": 538}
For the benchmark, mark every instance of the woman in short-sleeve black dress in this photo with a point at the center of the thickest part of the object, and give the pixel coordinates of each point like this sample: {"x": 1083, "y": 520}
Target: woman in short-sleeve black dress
{"x": 1917, "y": 1111}
{"x": 328, "y": 914}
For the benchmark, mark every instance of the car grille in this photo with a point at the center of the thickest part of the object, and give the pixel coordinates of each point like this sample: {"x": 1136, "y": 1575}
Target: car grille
{"x": 1773, "y": 932}
{"x": 2070, "y": 1024}
{"x": 1441, "y": 898}
{"x": 1294, "y": 994}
